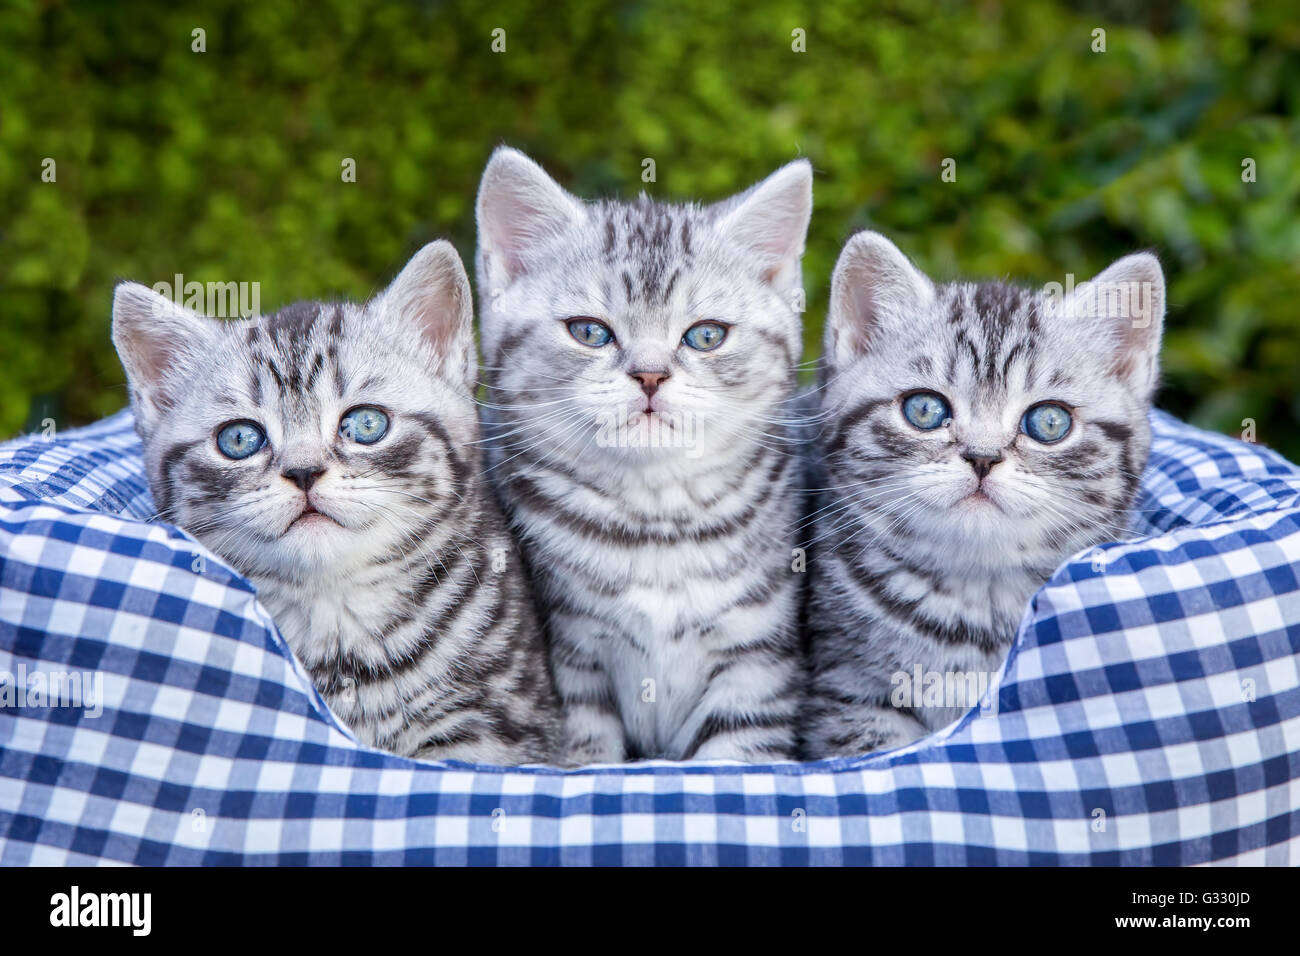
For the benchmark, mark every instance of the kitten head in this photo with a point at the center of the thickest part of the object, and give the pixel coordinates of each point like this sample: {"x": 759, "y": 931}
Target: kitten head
{"x": 995, "y": 417}
{"x": 640, "y": 328}
{"x": 322, "y": 436}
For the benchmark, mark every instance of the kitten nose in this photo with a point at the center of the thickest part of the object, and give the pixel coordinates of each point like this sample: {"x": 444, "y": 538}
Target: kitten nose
{"x": 650, "y": 381}
{"x": 304, "y": 477}
{"x": 982, "y": 463}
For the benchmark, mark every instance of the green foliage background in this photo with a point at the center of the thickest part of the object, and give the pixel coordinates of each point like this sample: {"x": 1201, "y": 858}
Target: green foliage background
{"x": 225, "y": 165}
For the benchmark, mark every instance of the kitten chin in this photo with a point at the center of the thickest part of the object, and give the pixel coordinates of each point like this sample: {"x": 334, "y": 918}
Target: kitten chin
{"x": 976, "y": 435}
{"x": 329, "y": 452}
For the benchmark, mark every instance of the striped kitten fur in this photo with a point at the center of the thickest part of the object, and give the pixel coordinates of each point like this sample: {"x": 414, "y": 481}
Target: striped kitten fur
{"x": 643, "y": 456}
{"x": 927, "y": 542}
{"x": 382, "y": 560}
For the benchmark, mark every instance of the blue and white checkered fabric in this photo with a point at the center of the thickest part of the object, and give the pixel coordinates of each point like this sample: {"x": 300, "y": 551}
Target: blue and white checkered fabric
{"x": 1148, "y": 714}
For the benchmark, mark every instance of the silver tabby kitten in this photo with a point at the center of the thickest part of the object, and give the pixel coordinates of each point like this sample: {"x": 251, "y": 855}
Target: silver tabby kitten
{"x": 639, "y": 357}
{"x": 976, "y": 435}
{"x": 328, "y": 452}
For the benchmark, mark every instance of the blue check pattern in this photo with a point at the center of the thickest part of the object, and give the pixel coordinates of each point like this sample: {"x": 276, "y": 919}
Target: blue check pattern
{"x": 1148, "y": 714}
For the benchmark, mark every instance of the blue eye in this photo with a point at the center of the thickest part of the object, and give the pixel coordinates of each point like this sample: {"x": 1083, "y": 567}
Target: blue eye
{"x": 705, "y": 337}
{"x": 240, "y": 439}
{"x": 365, "y": 424}
{"x": 926, "y": 410}
{"x": 1046, "y": 423}
{"x": 590, "y": 332}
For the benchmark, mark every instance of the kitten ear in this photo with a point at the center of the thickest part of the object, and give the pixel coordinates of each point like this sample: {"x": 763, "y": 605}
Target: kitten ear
{"x": 873, "y": 286}
{"x": 770, "y": 221}
{"x": 520, "y": 210}
{"x": 431, "y": 294}
{"x": 153, "y": 337}
{"x": 1125, "y": 303}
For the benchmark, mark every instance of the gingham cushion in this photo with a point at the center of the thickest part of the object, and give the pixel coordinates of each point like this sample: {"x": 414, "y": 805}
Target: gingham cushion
{"x": 1149, "y": 713}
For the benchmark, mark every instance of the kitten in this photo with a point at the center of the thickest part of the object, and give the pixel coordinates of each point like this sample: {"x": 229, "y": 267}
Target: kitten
{"x": 639, "y": 356}
{"x": 328, "y": 452}
{"x": 977, "y": 435}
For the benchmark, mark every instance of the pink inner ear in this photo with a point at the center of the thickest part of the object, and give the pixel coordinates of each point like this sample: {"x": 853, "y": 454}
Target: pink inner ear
{"x": 506, "y": 260}
{"x": 855, "y": 334}
{"x": 148, "y": 359}
{"x": 441, "y": 318}
{"x": 152, "y": 338}
{"x": 1133, "y": 356}
{"x": 520, "y": 208}
{"x": 522, "y": 229}
{"x": 859, "y": 307}
{"x": 430, "y": 298}
{"x": 148, "y": 384}
{"x": 776, "y": 250}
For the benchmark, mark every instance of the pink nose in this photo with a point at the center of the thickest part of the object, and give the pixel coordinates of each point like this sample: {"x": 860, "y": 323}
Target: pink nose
{"x": 650, "y": 381}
